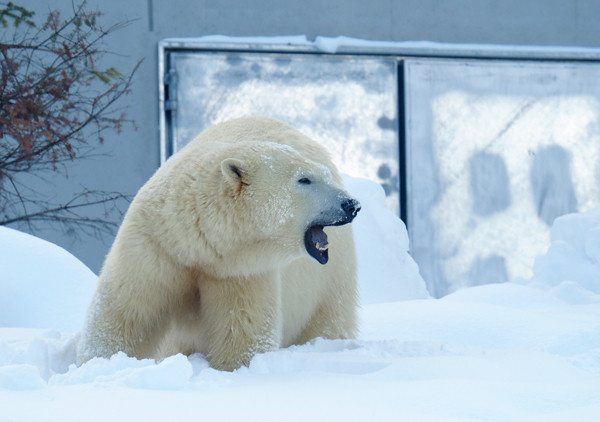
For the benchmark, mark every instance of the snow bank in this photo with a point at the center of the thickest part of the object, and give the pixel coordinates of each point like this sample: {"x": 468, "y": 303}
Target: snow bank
{"x": 570, "y": 270}
{"x": 495, "y": 352}
{"x": 386, "y": 271}
{"x": 41, "y": 284}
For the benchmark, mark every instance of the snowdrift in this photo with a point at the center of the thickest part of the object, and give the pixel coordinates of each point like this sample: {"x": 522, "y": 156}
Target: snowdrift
{"x": 41, "y": 284}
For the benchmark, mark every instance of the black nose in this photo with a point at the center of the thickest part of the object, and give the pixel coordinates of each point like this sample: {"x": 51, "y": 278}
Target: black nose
{"x": 351, "y": 207}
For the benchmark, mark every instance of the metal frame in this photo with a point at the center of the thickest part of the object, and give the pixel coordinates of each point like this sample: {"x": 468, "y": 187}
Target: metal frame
{"x": 400, "y": 50}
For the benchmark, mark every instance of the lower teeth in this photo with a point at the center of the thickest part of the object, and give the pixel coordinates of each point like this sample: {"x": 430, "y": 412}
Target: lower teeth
{"x": 321, "y": 248}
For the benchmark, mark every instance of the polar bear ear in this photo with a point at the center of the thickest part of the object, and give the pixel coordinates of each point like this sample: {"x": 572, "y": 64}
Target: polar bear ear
{"x": 234, "y": 174}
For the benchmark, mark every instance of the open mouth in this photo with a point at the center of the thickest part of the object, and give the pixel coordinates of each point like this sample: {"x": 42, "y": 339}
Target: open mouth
{"x": 315, "y": 242}
{"x": 315, "y": 239}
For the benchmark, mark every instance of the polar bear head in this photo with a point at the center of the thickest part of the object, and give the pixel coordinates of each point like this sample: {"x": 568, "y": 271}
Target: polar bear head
{"x": 275, "y": 204}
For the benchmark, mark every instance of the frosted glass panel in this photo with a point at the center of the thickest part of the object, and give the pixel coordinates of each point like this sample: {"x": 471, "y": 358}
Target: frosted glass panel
{"x": 495, "y": 152}
{"x": 347, "y": 103}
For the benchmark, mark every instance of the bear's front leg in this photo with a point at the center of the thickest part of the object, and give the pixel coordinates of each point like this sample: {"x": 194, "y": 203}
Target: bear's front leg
{"x": 239, "y": 318}
{"x": 121, "y": 322}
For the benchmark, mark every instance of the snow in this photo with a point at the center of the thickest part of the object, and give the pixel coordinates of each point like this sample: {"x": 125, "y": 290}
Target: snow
{"x": 523, "y": 350}
{"x": 24, "y": 300}
{"x": 386, "y": 271}
{"x": 341, "y": 44}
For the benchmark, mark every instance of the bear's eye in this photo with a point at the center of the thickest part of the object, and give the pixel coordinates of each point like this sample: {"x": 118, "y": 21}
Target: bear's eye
{"x": 304, "y": 181}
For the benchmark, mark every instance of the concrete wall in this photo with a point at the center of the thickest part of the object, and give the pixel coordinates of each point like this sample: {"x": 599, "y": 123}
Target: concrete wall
{"x": 537, "y": 22}
{"x": 133, "y": 155}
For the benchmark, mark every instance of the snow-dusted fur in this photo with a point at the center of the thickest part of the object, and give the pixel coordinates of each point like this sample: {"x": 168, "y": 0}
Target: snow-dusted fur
{"x": 210, "y": 257}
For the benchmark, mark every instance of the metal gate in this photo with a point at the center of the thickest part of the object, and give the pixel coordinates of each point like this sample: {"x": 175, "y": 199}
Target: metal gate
{"x": 477, "y": 155}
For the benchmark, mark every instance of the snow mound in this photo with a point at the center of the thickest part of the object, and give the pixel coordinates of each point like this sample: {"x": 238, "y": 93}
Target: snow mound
{"x": 41, "y": 284}
{"x": 386, "y": 271}
{"x": 570, "y": 269}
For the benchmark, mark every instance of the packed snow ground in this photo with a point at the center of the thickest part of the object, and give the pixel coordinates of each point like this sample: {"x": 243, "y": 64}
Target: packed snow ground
{"x": 525, "y": 350}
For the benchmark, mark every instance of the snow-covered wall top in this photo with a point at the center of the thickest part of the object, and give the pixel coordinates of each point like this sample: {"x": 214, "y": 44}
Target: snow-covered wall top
{"x": 343, "y": 44}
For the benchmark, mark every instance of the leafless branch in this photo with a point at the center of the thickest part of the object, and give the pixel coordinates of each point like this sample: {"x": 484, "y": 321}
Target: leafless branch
{"x": 54, "y": 99}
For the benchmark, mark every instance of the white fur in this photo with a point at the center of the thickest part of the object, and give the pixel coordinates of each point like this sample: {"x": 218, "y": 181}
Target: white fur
{"x": 210, "y": 257}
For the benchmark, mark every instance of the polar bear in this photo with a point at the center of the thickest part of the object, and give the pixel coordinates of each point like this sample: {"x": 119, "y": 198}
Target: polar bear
{"x": 223, "y": 252}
